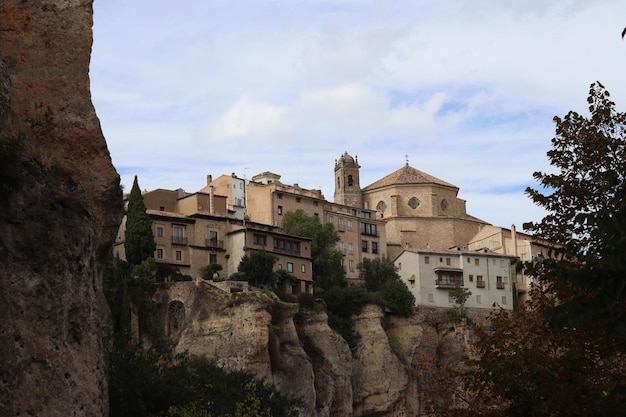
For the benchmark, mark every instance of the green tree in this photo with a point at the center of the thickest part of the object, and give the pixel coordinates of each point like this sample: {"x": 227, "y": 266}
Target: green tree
{"x": 396, "y": 296}
{"x": 375, "y": 272}
{"x": 258, "y": 268}
{"x": 562, "y": 353}
{"x": 341, "y": 304}
{"x": 138, "y": 241}
{"x": 325, "y": 257}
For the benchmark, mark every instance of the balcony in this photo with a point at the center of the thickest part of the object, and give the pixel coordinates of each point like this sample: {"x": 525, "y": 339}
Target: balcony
{"x": 500, "y": 285}
{"x": 179, "y": 240}
{"x": 449, "y": 282}
{"x": 214, "y": 243}
{"x": 480, "y": 284}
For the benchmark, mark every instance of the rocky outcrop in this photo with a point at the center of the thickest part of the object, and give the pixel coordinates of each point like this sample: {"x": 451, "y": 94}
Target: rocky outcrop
{"x": 302, "y": 356}
{"x": 57, "y": 228}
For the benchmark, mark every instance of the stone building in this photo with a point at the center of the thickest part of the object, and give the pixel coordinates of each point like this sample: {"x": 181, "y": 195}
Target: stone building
{"x": 361, "y": 234}
{"x": 192, "y": 230}
{"x": 419, "y": 211}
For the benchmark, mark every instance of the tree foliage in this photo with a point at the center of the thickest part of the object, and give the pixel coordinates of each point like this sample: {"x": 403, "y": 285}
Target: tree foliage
{"x": 375, "y": 272}
{"x": 325, "y": 258}
{"x": 258, "y": 268}
{"x": 146, "y": 383}
{"x": 396, "y": 297}
{"x": 562, "y": 354}
{"x": 139, "y": 240}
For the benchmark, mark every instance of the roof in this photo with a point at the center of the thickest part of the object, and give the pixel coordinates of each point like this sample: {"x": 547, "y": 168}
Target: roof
{"x": 407, "y": 175}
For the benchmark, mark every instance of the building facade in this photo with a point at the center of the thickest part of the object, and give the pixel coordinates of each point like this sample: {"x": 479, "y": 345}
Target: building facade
{"x": 430, "y": 275}
{"x": 361, "y": 234}
{"x": 193, "y": 230}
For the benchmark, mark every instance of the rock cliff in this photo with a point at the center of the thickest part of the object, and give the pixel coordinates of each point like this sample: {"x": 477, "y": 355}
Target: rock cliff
{"x": 302, "y": 355}
{"x": 55, "y": 229}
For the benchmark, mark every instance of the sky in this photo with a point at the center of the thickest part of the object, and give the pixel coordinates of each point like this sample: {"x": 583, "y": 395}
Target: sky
{"x": 465, "y": 91}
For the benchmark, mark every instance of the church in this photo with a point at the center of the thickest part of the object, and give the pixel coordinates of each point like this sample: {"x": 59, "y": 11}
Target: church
{"x": 420, "y": 212}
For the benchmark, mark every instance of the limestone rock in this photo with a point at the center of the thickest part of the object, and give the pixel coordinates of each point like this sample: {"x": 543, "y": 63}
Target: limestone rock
{"x": 56, "y": 230}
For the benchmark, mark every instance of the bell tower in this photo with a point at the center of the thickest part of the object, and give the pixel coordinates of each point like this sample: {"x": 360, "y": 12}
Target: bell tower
{"x": 347, "y": 186}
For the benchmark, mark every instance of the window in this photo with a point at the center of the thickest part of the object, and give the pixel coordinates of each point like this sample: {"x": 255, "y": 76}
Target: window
{"x": 479, "y": 281}
{"x": 426, "y": 259}
{"x": 471, "y": 278}
{"x": 444, "y": 205}
{"x": 368, "y": 229}
{"x": 179, "y": 235}
{"x": 303, "y": 269}
{"x": 161, "y": 208}
{"x": 279, "y": 195}
{"x": 502, "y": 263}
{"x": 179, "y": 255}
{"x": 476, "y": 261}
{"x": 450, "y": 299}
{"x": 469, "y": 260}
{"x": 159, "y": 253}
{"x": 280, "y": 266}
{"x": 364, "y": 245}
{"x": 330, "y": 219}
{"x": 349, "y": 225}
{"x": 478, "y": 300}
{"x": 374, "y": 247}
{"x": 258, "y": 239}
{"x": 353, "y": 212}
{"x": 290, "y": 267}
{"x": 366, "y": 214}
{"x": 286, "y": 245}
{"x": 340, "y": 224}
{"x": 212, "y": 258}
{"x": 298, "y": 199}
{"x": 159, "y": 231}
{"x": 213, "y": 238}
{"x": 351, "y": 265}
{"x": 350, "y": 249}
{"x": 341, "y": 248}
{"x": 499, "y": 283}
{"x": 280, "y": 210}
{"x": 448, "y": 261}
{"x": 382, "y": 206}
{"x": 315, "y": 202}
{"x": 431, "y": 298}
{"x": 414, "y": 203}
{"x": 399, "y": 266}
{"x": 350, "y": 181}
{"x": 503, "y": 301}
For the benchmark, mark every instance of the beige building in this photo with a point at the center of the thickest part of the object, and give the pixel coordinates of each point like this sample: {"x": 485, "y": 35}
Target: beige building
{"x": 513, "y": 243}
{"x": 419, "y": 210}
{"x": 361, "y": 234}
{"x": 430, "y": 275}
{"x": 194, "y": 230}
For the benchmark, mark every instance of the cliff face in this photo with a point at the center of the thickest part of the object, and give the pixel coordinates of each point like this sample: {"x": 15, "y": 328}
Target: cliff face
{"x": 302, "y": 355}
{"x": 57, "y": 228}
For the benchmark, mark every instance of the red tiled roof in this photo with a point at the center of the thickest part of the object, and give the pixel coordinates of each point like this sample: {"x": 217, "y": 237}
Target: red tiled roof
{"x": 405, "y": 176}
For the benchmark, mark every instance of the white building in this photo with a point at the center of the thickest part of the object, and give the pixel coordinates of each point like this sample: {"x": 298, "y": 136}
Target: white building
{"x": 430, "y": 275}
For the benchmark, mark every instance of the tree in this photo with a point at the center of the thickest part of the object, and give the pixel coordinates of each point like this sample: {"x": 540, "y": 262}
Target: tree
{"x": 396, "y": 296}
{"x": 139, "y": 241}
{"x": 325, "y": 258}
{"x": 562, "y": 353}
{"x": 375, "y": 272}
{"x": 258, "y": 268}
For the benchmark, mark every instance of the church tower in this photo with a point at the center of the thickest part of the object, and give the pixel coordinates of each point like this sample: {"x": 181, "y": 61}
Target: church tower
{"x": 347, "y": 187}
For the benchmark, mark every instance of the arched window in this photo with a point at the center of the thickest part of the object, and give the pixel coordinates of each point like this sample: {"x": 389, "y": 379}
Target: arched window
{"x": 350, "y": 181}
{"x": 338, "y": 182}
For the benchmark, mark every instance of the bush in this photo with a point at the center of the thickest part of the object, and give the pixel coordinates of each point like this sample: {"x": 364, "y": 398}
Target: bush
{"x": 395, "y": 296}
{"x": 342, "y": 303}
{"x": 310, "y": 302}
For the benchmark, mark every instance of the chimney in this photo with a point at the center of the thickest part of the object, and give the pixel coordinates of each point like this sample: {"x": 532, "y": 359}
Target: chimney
{"x": 209, "y": 179}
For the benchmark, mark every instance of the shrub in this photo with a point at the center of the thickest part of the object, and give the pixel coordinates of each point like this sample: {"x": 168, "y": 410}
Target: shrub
{"x": 395, "y": 296}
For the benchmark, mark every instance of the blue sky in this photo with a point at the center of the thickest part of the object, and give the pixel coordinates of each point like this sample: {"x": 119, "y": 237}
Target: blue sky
{"x": 466, "y": 89}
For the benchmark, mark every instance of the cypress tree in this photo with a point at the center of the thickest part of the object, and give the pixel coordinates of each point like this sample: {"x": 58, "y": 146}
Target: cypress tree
{"x": 139, "y": 241}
